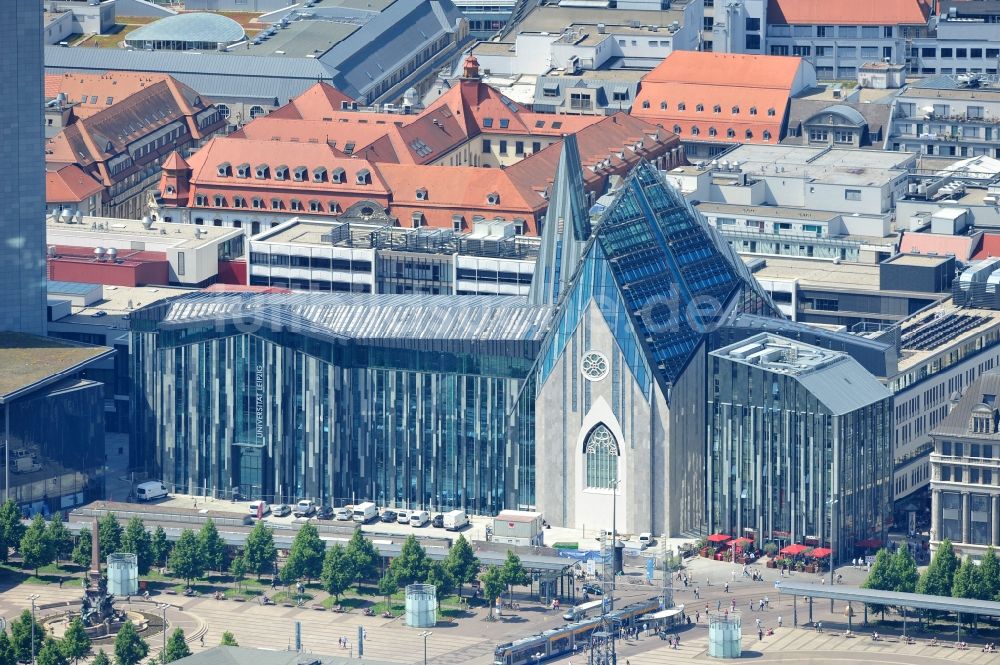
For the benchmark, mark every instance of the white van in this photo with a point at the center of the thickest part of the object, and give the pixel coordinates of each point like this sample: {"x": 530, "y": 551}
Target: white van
{"x": 419, "y": 518}
{"x": 365, "y": 512}
{"x": 260, "y": 508}
{"x": 645, "y": 540}
{"x": 455, "y": 520}
{"x": 150, "y": 490}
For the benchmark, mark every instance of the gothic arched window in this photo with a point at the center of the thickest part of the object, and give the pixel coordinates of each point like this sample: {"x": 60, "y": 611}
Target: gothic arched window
{"x": 602, "y": 453}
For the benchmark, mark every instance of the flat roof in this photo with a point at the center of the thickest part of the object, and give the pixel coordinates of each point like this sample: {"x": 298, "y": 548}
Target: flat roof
{"x": 117, "y": 303}
{"x": 876, "y": 597}
{"x": 92, "y": 230}
{"x": 555, "y": 19}
{"x": 832, "y": 165}
{"x": 923, "y": 260}
{"x": 301, "y": 39}
{"x": 909, "y": 358}
{"x": 846, "y": 275}
{"x": 782, "y": 212}
{"x": 30, "y": 361}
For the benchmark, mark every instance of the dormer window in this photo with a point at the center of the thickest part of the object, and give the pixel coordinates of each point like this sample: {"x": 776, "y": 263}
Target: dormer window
{"x": 281, "y": 172}
{"x": 663, "y": 106}
{"x": 315, "y": 206}
{"x": 767, "y": 135}
{"x": 258, "y": 203}
{"x": 337, "y": 175}
{"x": 239, "y": 202}
{"x": 422, "y": 194}
{"x": 200, "y": 200}
{"x": 170, "y": 189}
{"x": 712, "y": 131}
{"x": 417, "y": 219}
{"x": 753, "y": 110}
{"x": 364, "y": 177}
{"x": 736, "y": 110}
{"x": 224, "y": 169}
{"x": 645, "y": 103}
{"x": 220, "y": 201}
{"x": 333, "y": 206}
{"x": 243, "y": 171}
{"x": 695, "y": 131}
{"x": 319, "y": 174}
{"x": 682, "y": 106}
{"x": 731, "y": 133}
{"x": 749, "y": 134}
{"x": 493, "y": 198}
{"x": 770, "y": 111}
{"x": 260, "y": 172}
{"x": 717, "y": 108}
{"x": 296, "y": 205}
{"x": 276, "y": 204}
{"x": 677, "y": 129}
{"x": 456, "y": 223}
{"x": 699, "y": 108}
{"x": 299, "y": 174}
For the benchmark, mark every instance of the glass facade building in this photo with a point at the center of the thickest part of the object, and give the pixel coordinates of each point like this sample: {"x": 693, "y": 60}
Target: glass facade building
{"x": 400, "y": 400}
{"x": 799, "y": 443}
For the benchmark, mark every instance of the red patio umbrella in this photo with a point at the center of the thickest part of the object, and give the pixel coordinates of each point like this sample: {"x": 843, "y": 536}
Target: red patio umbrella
{"x": 792, "y": 550}
{"x": 742, "y": 542}
{"x": 719, "y": 538}
{"x": 820, "y": 552}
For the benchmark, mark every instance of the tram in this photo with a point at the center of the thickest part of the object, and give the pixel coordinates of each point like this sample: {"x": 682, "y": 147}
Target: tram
{"x": 569, "y": 638}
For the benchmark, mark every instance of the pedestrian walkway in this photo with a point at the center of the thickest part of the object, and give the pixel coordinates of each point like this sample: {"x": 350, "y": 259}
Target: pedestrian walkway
{"x": 789, "y": 640}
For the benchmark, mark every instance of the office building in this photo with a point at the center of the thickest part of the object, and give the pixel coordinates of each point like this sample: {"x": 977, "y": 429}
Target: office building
{"x": 22, "y": 203}
{"x": 965, "y": 499}
{"x": 961, "y": 38}
{"x": 821, "y": 434}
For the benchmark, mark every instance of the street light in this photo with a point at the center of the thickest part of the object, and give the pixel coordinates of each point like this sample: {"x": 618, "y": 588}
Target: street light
{"x": 163, "y": 608}
{"x": 425, "y": 635}
{"x": 614, "y": 539}
{"x": 33, "y": 597}
{"x": 833, "y": 550}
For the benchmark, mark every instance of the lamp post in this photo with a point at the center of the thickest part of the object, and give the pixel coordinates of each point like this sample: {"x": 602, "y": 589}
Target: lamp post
{"x": 425, "y": 635}
{"x": 33, "y": 597}
{"x": 833, "y": 550}
{"x": 163, "y": 608}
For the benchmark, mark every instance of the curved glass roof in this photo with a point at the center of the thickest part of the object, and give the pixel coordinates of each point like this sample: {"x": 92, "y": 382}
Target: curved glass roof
{"x": 190, "y": 27}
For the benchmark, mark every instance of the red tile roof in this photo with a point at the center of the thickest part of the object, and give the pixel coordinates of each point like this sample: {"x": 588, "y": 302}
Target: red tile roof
{"x": 90, "y": 92}
{"x": 847, "y": 12}
{"x": 961, "y": 247}
{"x": 69, "y": 184}
{"x": 318, "y": 102}
{"x": 719, "y": 97}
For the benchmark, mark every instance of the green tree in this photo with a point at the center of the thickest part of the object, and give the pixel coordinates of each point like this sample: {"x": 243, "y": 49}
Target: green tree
{"x": 904, "y": 571}
{"x": 213, "y": 548}
{"x": 228, "y": 640}
{"x": 36, "y": 549}
{"x": 136, "y": 539}
{"x": 260, "y": 553}
{"x": 442, "y": 579}
{"x": 7, "y": 656}
{"x": 76, "y": 643}
{"x": 338, "y": 571}
{"x": 130, "y": 648}
{"x": 177, "y": 647}
{"x": 20, "y": 636}
{"x": 185, "y": 558}
{"x": 462, "y": 563}
{"x": 880, "y": 578}
{"x": 11, "y": 528}
{"x": 411, "y": 565}
{"x": 939, "y": 577}
{"x": 51, "y": 653}
{"x": 305, "y": 559}
{"x": 967, "y": 582}
{"x": 110, "y": 534}
{"x": 159, "y": 547}
{"x": 60, "y": 537}
{"x": 81, "y": 552}
{"x": 989, "y": 569}
{"x": 493, "y": 585}
{"x": 101, "y": 659}
{"x": 239, "y": 570}
{"x": 513, "y": 573}
{"x": 387, "y": 586}
{"x": 364, "y": 557}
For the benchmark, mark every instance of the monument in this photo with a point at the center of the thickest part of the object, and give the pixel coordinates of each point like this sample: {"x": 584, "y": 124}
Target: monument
{"x": 98, "y": 605}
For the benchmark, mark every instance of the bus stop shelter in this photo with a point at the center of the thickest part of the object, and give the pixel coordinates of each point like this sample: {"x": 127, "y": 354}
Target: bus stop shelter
{"x": 855, "y": 594}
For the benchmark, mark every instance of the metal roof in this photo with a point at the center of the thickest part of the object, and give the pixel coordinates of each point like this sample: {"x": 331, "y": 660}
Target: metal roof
{"x": 853, "y": 115}
{"x": 405, "y": 319}
{"x": 70, "y": 288}
{"x": 175, "y": 62}
{"x": 983, "y": 391}
{"x": 918, "y": 601}
{"x": 190, "y": 27}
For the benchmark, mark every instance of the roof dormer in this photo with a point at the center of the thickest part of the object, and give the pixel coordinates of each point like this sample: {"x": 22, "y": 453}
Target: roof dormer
{"x": 493, "y": 198}
{"x": 299, "y": 174}
{"x": 364, "y": 176}
{"x": 224, "y": 169}
{"x": 243, "y": 170}
{"x": 421, "y": 193}
{"x": 260, "y": 172}
{"x": 338, "y": 175}
{"x": 319, "y": 174}
{"x": 281, "y": 172}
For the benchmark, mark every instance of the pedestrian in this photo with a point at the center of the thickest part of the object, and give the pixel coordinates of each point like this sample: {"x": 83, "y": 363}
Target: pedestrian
{"x": 767, "y": 602}
{"x": 727, "y": 587}
{"x": 697, "y": 617}
{"x": 202, "y": 640}
{"x": 697, "y": 592}
{"x": 60, "y": 582}
{"x": 734, "y": 575}
{"x": 779, "y": 622}
{"x": 751, "y": 604}
{"x": 760, "y": 605}
{"x": 718, "y": 605}
{"x": 760, "y": 635}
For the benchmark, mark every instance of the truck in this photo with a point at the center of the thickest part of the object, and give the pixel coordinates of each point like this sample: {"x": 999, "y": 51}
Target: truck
{"x": 365, "y": 512}
{"x": 150, "y": 490}
{"x": 455, "y": 520}
{"x": 26, "y": 465}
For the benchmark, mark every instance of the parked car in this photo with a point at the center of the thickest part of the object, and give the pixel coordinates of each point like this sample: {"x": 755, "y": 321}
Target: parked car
{"x": 389, "y": 516}
{"x": 325, "y": 513}
{"x": 438, "y": 521}
{"x": 593, "y": 589}
{"x": 419, "y": 518}
{"x": 305, "y": 508}
{"x": 281, "y": 510}
{"x": 343, "y": 515}
{"x": 403, "y": 517}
